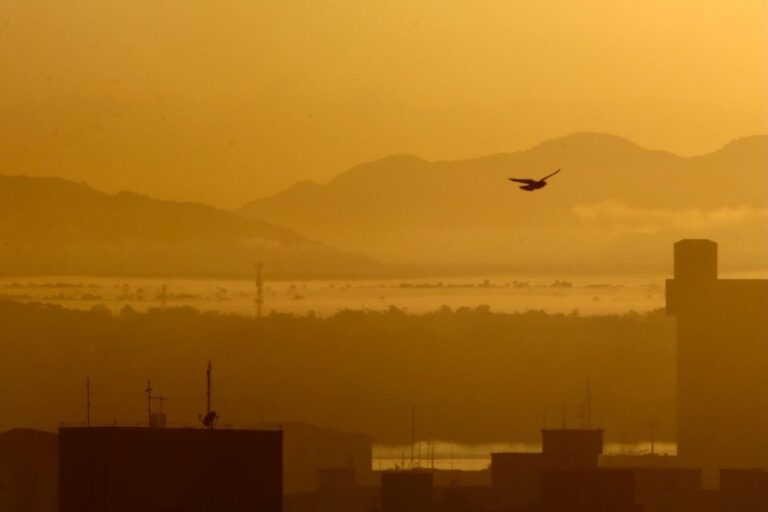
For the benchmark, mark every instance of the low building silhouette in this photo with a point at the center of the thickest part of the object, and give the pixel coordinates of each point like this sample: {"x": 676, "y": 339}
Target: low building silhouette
{"x": 571, "y": 448}
{"x": 667, "y": 489}
{"x": 407, "y": 491}
{"x": 515, "y": 477}
{"x": 587, "y": 490}
{"x": 308, "y": 448}
{"x": 122, "y": 469}
{"x": 743, "y": 490}
{"x": 28, "y": 470}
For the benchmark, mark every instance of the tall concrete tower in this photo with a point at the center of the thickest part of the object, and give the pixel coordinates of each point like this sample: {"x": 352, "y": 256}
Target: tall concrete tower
{"x": 722, "y": 363}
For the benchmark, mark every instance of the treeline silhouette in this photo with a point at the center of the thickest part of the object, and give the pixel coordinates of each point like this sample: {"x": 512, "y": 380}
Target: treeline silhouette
{"x": 474, "y": 375}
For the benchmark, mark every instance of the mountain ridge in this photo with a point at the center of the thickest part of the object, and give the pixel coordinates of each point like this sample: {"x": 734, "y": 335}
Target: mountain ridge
{"x": 736, "y": 142}
{"x": 405, "y": 206}
{"x": 94, "y": 232}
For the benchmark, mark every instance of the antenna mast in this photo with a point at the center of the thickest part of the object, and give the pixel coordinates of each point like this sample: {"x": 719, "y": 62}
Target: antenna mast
{"x": 208, "y": 389}
{"x": 210, "y": 416}
{"x": 148, "y": 391}
{"x": 564, "y": 425}
{"x": 413, "y": 433}
{"x": 87, "y": 401}
{"x": 259, "y": 300}
{"x": 589, "y": 402}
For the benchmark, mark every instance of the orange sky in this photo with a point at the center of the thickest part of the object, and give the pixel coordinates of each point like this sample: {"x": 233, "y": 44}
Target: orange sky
{"x": 225, "y": 101}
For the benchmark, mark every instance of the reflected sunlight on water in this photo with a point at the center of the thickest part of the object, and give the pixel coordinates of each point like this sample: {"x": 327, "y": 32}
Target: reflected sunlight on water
{"x": 475, "y": 457}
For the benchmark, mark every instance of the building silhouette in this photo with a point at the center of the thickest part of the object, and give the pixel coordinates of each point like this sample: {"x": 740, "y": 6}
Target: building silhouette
{"x": 407, "y": 491}
{"x": 722, "y": 363}
{"x": 743, "y": 490}
{"x": 516, "y": 477}
{"x": 309, "y": 449}
{"x": 587, "y": 490}
{"x": 122, "y": 469}
{"x": 28, "y": 462}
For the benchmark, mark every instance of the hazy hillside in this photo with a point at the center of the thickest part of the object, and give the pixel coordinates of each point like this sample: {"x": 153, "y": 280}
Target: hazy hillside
{"x": 613, "y": 200}
{"x": 475, "y": 375}
{"x": 50, "y": 225}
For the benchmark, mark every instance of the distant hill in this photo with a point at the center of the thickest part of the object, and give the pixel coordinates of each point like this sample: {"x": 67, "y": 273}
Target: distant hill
{"x": 614, "y": 203}
{"x": 55, "y": 226}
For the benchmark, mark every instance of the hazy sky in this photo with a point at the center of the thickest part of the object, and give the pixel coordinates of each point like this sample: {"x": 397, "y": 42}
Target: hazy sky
{"x": 228, "y": 100}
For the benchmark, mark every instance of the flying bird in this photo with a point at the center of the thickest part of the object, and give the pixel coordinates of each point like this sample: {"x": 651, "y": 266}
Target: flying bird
{"x": 531, "y": 185}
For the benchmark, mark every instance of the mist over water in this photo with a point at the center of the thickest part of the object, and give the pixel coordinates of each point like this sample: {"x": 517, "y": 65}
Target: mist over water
{"x": 589, "y": 295}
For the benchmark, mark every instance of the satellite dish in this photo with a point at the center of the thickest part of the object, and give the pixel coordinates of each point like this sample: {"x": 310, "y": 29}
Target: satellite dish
{"x": 209, "y": 419}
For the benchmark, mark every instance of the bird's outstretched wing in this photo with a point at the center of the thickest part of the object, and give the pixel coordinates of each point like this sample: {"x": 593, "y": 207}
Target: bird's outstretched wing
{"x": 526, "y": 181}
{"x": 549, "y": 176}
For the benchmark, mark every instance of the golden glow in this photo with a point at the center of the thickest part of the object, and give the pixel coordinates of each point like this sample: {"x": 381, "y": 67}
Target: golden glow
{"x": 226, "y": 101}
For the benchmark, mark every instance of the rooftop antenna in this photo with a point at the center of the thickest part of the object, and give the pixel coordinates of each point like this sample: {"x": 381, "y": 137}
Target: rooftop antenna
{"x": 582, "y": 415}
{"x": 589, "y": 402}
{"x": 152, "y": 422}
{"x": 433, "y": 455}
{"x": 87, "y": 401}
{"x": 652, "y": 427}
{"x": 413, "y": 433}
{"x": 418, "y": 454}
{"x": 210, "y": 417}
{"x": 259, "y": 300}
{"x": 148, "y": 391}
{"x": 564, "y": 426}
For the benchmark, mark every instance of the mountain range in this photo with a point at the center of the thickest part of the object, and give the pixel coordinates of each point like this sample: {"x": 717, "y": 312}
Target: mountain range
{"x": 614, "y": 204}
{"x": 55, "y": 226}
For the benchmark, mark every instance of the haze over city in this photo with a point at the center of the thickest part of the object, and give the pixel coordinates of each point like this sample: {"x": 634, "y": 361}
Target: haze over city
{"x": 395, "y": 256}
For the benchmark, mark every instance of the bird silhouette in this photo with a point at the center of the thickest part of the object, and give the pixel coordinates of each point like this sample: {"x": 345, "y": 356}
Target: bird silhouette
{"x": 531, "y": 185}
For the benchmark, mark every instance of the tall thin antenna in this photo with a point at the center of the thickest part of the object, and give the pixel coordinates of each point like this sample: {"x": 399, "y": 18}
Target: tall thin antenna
{"x": 208, "y": 388}
{"x": 582, "y": 416}
{"x": 564, "y": 426}
{"x": 149, "y": 402}
{"x": 418, "y": 454}
{"x": 210, "y": 417}
{"x": 259, "y": 300}
{"x": 652, "y": 426}
{"x": 164, "y": 297}
{"x": 413, "y": 433}
{"x": 432, "y": 454}
{"x": 589, "y": 402}
{"x": 87, "y": 401}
